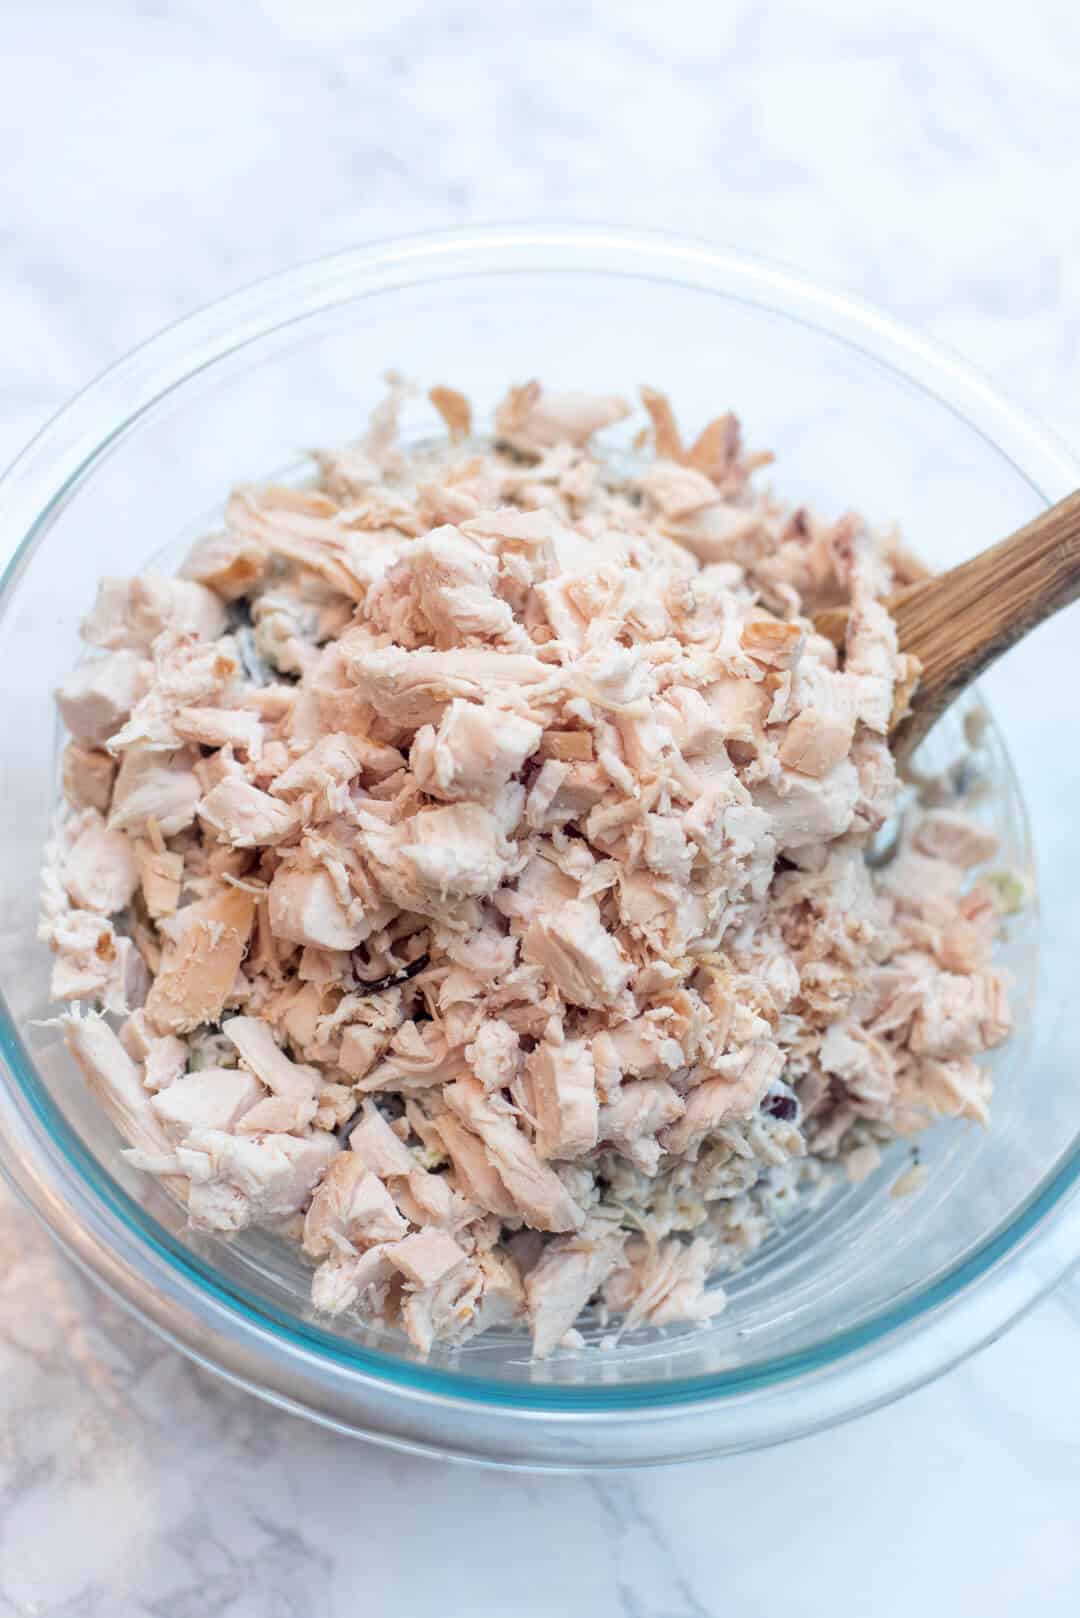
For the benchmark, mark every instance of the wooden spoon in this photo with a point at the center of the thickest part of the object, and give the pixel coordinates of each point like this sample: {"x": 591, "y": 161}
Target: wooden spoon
{"x": 959, "y": 622}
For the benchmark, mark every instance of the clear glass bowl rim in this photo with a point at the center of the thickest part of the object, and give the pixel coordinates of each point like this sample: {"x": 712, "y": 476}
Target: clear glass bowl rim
{"x": 88, "y": 1212}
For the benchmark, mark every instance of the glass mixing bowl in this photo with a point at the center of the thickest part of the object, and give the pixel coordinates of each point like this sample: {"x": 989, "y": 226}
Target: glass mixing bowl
{"x": 852, "y": 1301}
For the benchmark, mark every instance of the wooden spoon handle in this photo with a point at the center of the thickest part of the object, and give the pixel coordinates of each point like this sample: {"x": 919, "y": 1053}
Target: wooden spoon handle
{"x": 958, "y": 623}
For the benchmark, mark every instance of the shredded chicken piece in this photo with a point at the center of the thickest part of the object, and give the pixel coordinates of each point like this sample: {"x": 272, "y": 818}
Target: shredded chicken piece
{"x": 98, "y": 697}
{"x": 454, "y": 409}
{"x": 230, "y": 565}
{"x": 100, "y": 870}
{"x": 133, "y": 613}
{"x": 563, "y": 1081}
{"x": 244, "y": 817}
{"x": 89, "y": 774}
{"x": 161, "y": 876}
{"x": 200, "y": 961}
{"x": 570, "y": 1270}
{"x": 473, "y": 845}
{"x": 537, "y": 1190}
{"x": 580, "y": 957}
{"x": 213, "y": 1098}
{"x": 115, "y": 1080}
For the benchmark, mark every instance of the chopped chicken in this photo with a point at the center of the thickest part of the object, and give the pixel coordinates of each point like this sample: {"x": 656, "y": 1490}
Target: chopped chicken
{"x": 307, "y": 907}
{"x": 214, "y": 1098}
{"x": 410, "y": 689}
{"x": 531, "y": 420}
{"x": 426, "y": 1256}
{"x": 116, "y": 1081}
{"x": 570, "y": 1270}
{"x": 710, "y": 1103}
{"x": 98, "y": 697}
{"x": 132, "y": 613}
{"x": 163, "y": 1057}
{"x": 475, "y": 752}
{"x": 351, "y": 1207}
{"x": 476, "y": 1172}
{"x": 663, "y": 1283}
{"x": 161, "y": 877}
{"x": 162, "y": 787}
{"x": 219, "y": 727}
{"x": 331, "y": 762}
{"x": 820, "y": 736}
{"x": 563, "y": 1082}
{"x": 633, "y": 1119}
{"x": 89, "y": 774}
{"x": 244, "y": 817}
{"x": 200, "y": 959}
{"x": 955, "y": 838}
{"x": 361, "y": 1047}
{"x": 537, "y": 1190}
{"x": 231, "y": 565}
{"x": 472, "y": 844}
{"x": 348, "y": 1281}
{"x": 100, "y": 870}
{"x": 578, "y": 954}
{"x": 804, "y": 808}
{"x": 454, "y": 409}
{"x": 259, "y": 1052}
{"x": 456, "y": 853}
{"x": 495, "y": 1054}
{"x": 239, "y": 1180}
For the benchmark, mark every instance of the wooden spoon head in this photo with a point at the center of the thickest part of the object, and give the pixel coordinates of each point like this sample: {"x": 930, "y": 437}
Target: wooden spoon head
{"x": 832, "y": 623}
{"x": 952, "y": 626}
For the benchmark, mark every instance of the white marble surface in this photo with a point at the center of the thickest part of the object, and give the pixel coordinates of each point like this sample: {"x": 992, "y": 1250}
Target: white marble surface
{"x": 158, "y": 154}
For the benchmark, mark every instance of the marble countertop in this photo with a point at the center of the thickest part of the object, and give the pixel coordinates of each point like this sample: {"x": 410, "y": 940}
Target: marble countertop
{"x": 160, "y": 154}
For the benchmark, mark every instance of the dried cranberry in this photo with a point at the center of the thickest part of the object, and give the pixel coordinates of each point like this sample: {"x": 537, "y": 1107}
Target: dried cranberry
{"x": 781, "y": 1106}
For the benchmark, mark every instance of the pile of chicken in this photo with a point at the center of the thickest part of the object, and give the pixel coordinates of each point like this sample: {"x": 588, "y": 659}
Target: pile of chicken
{"x": 469, "y": 848}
